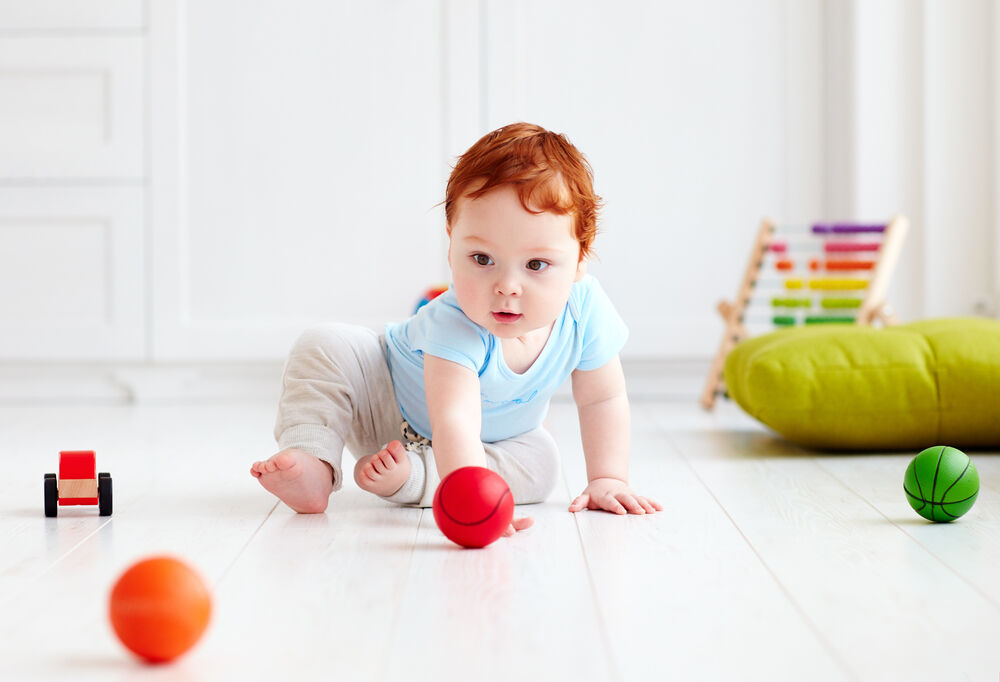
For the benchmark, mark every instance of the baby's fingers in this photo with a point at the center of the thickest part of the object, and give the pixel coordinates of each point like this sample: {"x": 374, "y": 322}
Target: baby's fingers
{"x": 522, "y": 523}
{"x": 579, "y": 503}
{"x": 631, "y": 504}
{"x": 610, "y": 503}
{"x": 518, "y": 524}
{"x": 650, "y": 505}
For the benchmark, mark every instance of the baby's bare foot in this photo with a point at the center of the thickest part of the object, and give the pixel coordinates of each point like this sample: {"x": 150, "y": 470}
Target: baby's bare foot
{"x": 385, "y": 472}
{"x": 300, "y": 480}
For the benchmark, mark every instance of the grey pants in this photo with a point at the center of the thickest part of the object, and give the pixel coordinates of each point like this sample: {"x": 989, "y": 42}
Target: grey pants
{"x": 337, "y": 392}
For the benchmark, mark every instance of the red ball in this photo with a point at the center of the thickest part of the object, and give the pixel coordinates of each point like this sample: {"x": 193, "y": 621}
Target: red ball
{"x": 473, "y": 506}
{"x": 159, "y": 608}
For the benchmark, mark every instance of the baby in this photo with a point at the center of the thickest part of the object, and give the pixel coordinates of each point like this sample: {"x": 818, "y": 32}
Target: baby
{"x": 466, "y": 381}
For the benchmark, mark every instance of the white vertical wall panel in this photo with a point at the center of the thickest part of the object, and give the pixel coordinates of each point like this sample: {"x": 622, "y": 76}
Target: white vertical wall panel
{"x": 463, "y": 89}
{"x": 994, "y": 309}
{"x": 804, "y": 102}
{"x": 31, "y": 15}
{"x": 297, "y": 168}
{"x": 71, "y": 274}
{"x": 840, "y": 63}
{"x": 71, "y": 107}
{"x": 466, "y": 40}
{"x": 887, "y": 145}
{"x": 694, "y": 124}
{"x": 959, "y": 163}
{"x": 921, "y": 139}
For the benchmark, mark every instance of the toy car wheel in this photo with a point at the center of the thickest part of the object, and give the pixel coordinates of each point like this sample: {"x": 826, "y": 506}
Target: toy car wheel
{"x": 51, "y": 495}
{"x": 104, "y": 494}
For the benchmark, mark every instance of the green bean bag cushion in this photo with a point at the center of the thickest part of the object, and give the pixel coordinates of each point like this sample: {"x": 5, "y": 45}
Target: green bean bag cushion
{"x": 849, "y": 387}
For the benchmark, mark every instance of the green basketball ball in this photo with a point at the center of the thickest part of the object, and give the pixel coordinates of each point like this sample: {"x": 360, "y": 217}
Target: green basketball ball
{"x": 941, "y": 483}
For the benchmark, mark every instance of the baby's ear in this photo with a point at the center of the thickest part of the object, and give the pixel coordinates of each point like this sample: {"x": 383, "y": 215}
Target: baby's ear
{"x": 581, "y": 270}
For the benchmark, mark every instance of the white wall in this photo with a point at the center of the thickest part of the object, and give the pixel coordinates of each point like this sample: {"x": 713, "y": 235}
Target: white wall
{"x": 202, "y": 182}
{"x": 699, "y": 121}
{"x": 297, "y": 161}
{"x": 925, "y": 129}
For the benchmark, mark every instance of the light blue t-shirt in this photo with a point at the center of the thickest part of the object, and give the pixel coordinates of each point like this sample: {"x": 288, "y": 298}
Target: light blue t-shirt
{"x": 587, "y": 335}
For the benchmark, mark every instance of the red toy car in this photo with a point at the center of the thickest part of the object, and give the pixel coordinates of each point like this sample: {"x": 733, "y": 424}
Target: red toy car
{"x": 78, "y": 484}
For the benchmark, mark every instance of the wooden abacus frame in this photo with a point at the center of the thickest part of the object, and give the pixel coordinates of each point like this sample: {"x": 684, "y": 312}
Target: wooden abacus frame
{"x": 873, "y": 307}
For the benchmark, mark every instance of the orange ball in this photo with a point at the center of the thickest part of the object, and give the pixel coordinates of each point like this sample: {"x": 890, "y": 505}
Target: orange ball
{"x": 159, "y": 608}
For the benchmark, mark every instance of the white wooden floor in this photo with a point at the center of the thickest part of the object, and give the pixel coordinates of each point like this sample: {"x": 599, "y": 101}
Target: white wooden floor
{"x": 769, "y": 563}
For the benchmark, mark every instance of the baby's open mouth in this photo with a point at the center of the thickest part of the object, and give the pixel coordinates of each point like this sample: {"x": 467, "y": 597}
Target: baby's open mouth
{"x": 506, "y": 317}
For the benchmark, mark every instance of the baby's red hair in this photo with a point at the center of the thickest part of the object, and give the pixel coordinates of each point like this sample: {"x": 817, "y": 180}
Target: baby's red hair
{"x": 546, "y": 170}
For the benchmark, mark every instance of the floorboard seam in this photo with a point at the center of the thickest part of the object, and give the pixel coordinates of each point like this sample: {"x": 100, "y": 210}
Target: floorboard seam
{"x": 383, "y": 673}
{"x": 243, "y": 547}
{"x": 11, "y": 596}
{"x": 817, "y": 633}
{"x": 613, "y": 668}
{"x": 924, "y": 547}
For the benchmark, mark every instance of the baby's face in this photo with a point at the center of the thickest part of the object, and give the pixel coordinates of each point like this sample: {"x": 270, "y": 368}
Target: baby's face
{"x": 512, "y": 270}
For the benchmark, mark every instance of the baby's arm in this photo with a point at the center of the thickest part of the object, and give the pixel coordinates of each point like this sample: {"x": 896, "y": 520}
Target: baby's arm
{"x": 455, "y": 409}
{"x": 605, "y": 429}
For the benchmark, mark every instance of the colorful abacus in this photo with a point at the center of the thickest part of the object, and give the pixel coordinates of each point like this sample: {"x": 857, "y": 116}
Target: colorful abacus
{"x": 826, "y": 273}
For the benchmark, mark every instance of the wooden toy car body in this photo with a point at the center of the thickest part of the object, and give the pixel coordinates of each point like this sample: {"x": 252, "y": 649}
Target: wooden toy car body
{"x": 78, "y": 483}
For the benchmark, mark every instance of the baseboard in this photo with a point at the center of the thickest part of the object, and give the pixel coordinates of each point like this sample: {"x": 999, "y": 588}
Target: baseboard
{"x": 138, "y": 384}
{"x": 648, "y": 379}
{"x": 680, "y": 379}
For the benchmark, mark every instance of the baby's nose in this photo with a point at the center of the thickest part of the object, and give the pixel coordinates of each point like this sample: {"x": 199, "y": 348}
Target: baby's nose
{"x": 507, "y": 285}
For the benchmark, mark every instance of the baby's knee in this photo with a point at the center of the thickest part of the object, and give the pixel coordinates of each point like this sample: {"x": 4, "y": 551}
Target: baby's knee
{"x": 321, "y": 340}
{"x": 332, "y": 347}
{"x": 548, "y": 469}
{"x": 531, "y": 469}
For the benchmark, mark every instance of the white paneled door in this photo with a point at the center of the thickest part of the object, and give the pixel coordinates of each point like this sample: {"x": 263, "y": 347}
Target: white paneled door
{"x": 72, "y": 162}
{"x": 72, "y": 273}
{"x": 296, "y": 170}
{"x": 71, "y": 107}
{"x": 71, "y": 15}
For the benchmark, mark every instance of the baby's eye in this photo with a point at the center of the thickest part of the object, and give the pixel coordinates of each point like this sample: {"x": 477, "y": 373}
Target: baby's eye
{"x": 482, "y": 259}
{"x": 537, "y": 265}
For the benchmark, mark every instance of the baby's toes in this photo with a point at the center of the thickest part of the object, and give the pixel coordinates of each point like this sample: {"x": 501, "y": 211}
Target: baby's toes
{"x": 396, "y": 451}
{"x": 282, "y": 461}
{"x": 367, "y": 470}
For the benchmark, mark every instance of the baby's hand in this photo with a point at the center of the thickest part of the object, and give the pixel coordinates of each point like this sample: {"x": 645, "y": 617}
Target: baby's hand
{"x": 615, "y": 496}
{"x": 518, "y": 524}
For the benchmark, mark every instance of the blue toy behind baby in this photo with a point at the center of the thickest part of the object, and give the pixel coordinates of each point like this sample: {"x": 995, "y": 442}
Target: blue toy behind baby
{"x": 430, "y": 295}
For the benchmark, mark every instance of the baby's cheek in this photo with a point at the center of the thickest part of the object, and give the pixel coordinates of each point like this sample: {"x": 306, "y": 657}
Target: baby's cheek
{"x": 467, "y": 300}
